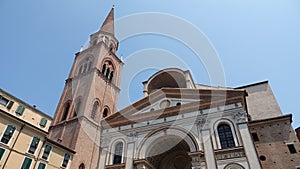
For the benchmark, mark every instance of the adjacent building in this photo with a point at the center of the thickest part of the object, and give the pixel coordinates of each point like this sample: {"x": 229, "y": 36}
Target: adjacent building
{"x": 24, "y": 140}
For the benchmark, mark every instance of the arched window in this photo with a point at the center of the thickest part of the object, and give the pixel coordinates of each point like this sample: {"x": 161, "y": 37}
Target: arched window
{"x": 77, "y": 108}
{"x": 85, "y": 67}
{"x": 108, "y": 70}
{"x": 110, "y": 76}
{"x": 105, "y": 113}
{"x": 225, "y": 136}
{"x": 104, "y": 69}
{"x": 81, "y": 166}
{"x": 80, "y": 69}
{"x": 89, "y": 66}
{"x": 118, "y": 153}
{"x": 65, "y": 112}
{"x": 111, "y": 47}
{"x": 94, "y": 110}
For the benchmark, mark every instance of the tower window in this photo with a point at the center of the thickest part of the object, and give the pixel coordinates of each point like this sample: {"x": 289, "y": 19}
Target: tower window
{"x": 80, "y": 69}
{"x": 66, "y": 111}
{"x": 110, "y": 76}
{"x": 225, "y": 135}
{"x": 111, "y": 47}
{"x": 66, "y": 160}
{"x": 94, "y": 110}
{"x": 85, "y": 67}
{"x": 34, "y": 144}
{"x": 82, "y": 166}
{"x": 103, "y": 69}
{"x": 292, "y": 148}
{"x": 26, "y": 163}
{"x": 118, "y": 153}
{"x": 47, "y": 151}
{"x": 108, "y": 70}
{"x": 8, "y": 134}
{"x": 105, "y": 113}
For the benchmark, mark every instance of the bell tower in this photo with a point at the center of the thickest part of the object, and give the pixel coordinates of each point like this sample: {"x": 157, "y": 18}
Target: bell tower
{"x": 90, "y": 94}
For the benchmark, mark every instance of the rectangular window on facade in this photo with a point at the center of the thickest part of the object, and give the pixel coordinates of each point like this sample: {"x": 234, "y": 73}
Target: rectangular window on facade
{"x": 66, "y": 160}
{"x": 8, "y": 134}
{"x": 3, "y": 101}
{"x": 43, "y": 122}
{"x": 20, "y": 110}
{"x": 47, "y": 151}
{"x": 292, "y": 148}
{"x": 34, "y": 144}
{"x": 42, "y": 166}
{"x": 1, "y": 153}
{"x": 26, "y": 163}
{"x": 10, "y": 104}
{"x": 255, "y": 137}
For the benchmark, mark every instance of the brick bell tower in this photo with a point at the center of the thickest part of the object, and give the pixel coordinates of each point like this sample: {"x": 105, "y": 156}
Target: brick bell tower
{"x": 90, "y": 94}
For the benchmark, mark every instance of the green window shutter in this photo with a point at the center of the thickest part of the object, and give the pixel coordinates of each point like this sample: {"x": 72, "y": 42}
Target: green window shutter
{"x": 43, "y": 122}
{"x": 42, "y": 166}
{"x": 10, "y": 104}
{"x": 26, "y": 163}
{"x": 1, "y": 153}
{"x": 20, "y": 110}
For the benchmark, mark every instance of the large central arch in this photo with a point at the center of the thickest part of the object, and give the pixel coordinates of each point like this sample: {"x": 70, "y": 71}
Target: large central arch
{"x": 168, "y": 148}
{"x": 169, "y": 152}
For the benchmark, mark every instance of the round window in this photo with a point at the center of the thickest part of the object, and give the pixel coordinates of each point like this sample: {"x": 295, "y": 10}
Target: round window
{"x": 165, "y": 104}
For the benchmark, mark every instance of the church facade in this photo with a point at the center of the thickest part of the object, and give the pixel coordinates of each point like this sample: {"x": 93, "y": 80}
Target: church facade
{"x": 178, "y": 124}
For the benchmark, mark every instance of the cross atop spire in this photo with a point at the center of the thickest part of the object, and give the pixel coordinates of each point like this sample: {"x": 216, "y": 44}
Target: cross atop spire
{"x": 108, "y": 24}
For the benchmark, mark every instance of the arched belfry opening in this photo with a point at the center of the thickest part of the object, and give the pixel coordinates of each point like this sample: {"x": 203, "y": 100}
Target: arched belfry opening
{"x": 169, "y": 152}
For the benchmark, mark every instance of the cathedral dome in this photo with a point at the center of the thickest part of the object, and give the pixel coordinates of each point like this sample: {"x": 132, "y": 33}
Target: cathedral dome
{"x": 168, "y": 78}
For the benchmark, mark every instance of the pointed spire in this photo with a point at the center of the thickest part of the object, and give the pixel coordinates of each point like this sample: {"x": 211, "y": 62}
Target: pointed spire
{"x": 108, "y": 24}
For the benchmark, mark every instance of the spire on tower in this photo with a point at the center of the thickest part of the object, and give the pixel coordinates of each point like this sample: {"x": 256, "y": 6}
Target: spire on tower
{"x": 108, "y": 24}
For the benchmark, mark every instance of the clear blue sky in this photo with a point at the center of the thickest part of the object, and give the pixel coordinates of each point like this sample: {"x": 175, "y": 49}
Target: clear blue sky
{"x": 255, "y": 40}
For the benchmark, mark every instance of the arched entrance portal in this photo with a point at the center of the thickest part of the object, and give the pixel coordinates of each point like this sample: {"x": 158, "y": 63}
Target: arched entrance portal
{"x": 169, "y": 152}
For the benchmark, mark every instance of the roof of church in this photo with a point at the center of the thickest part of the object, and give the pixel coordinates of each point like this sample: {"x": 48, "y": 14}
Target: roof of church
{"x": 204, "y": 99}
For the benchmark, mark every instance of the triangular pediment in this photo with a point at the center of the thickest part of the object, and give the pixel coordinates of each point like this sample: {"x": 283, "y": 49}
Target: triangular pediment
{"x": 172, "y": 101}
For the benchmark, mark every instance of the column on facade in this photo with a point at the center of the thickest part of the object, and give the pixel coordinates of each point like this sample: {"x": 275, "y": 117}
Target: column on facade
{"x": 129, "y": 156}
{"x": 103, "y": 156}
{"x": 248, "y": 146}
{"x": 208, "y": 149}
